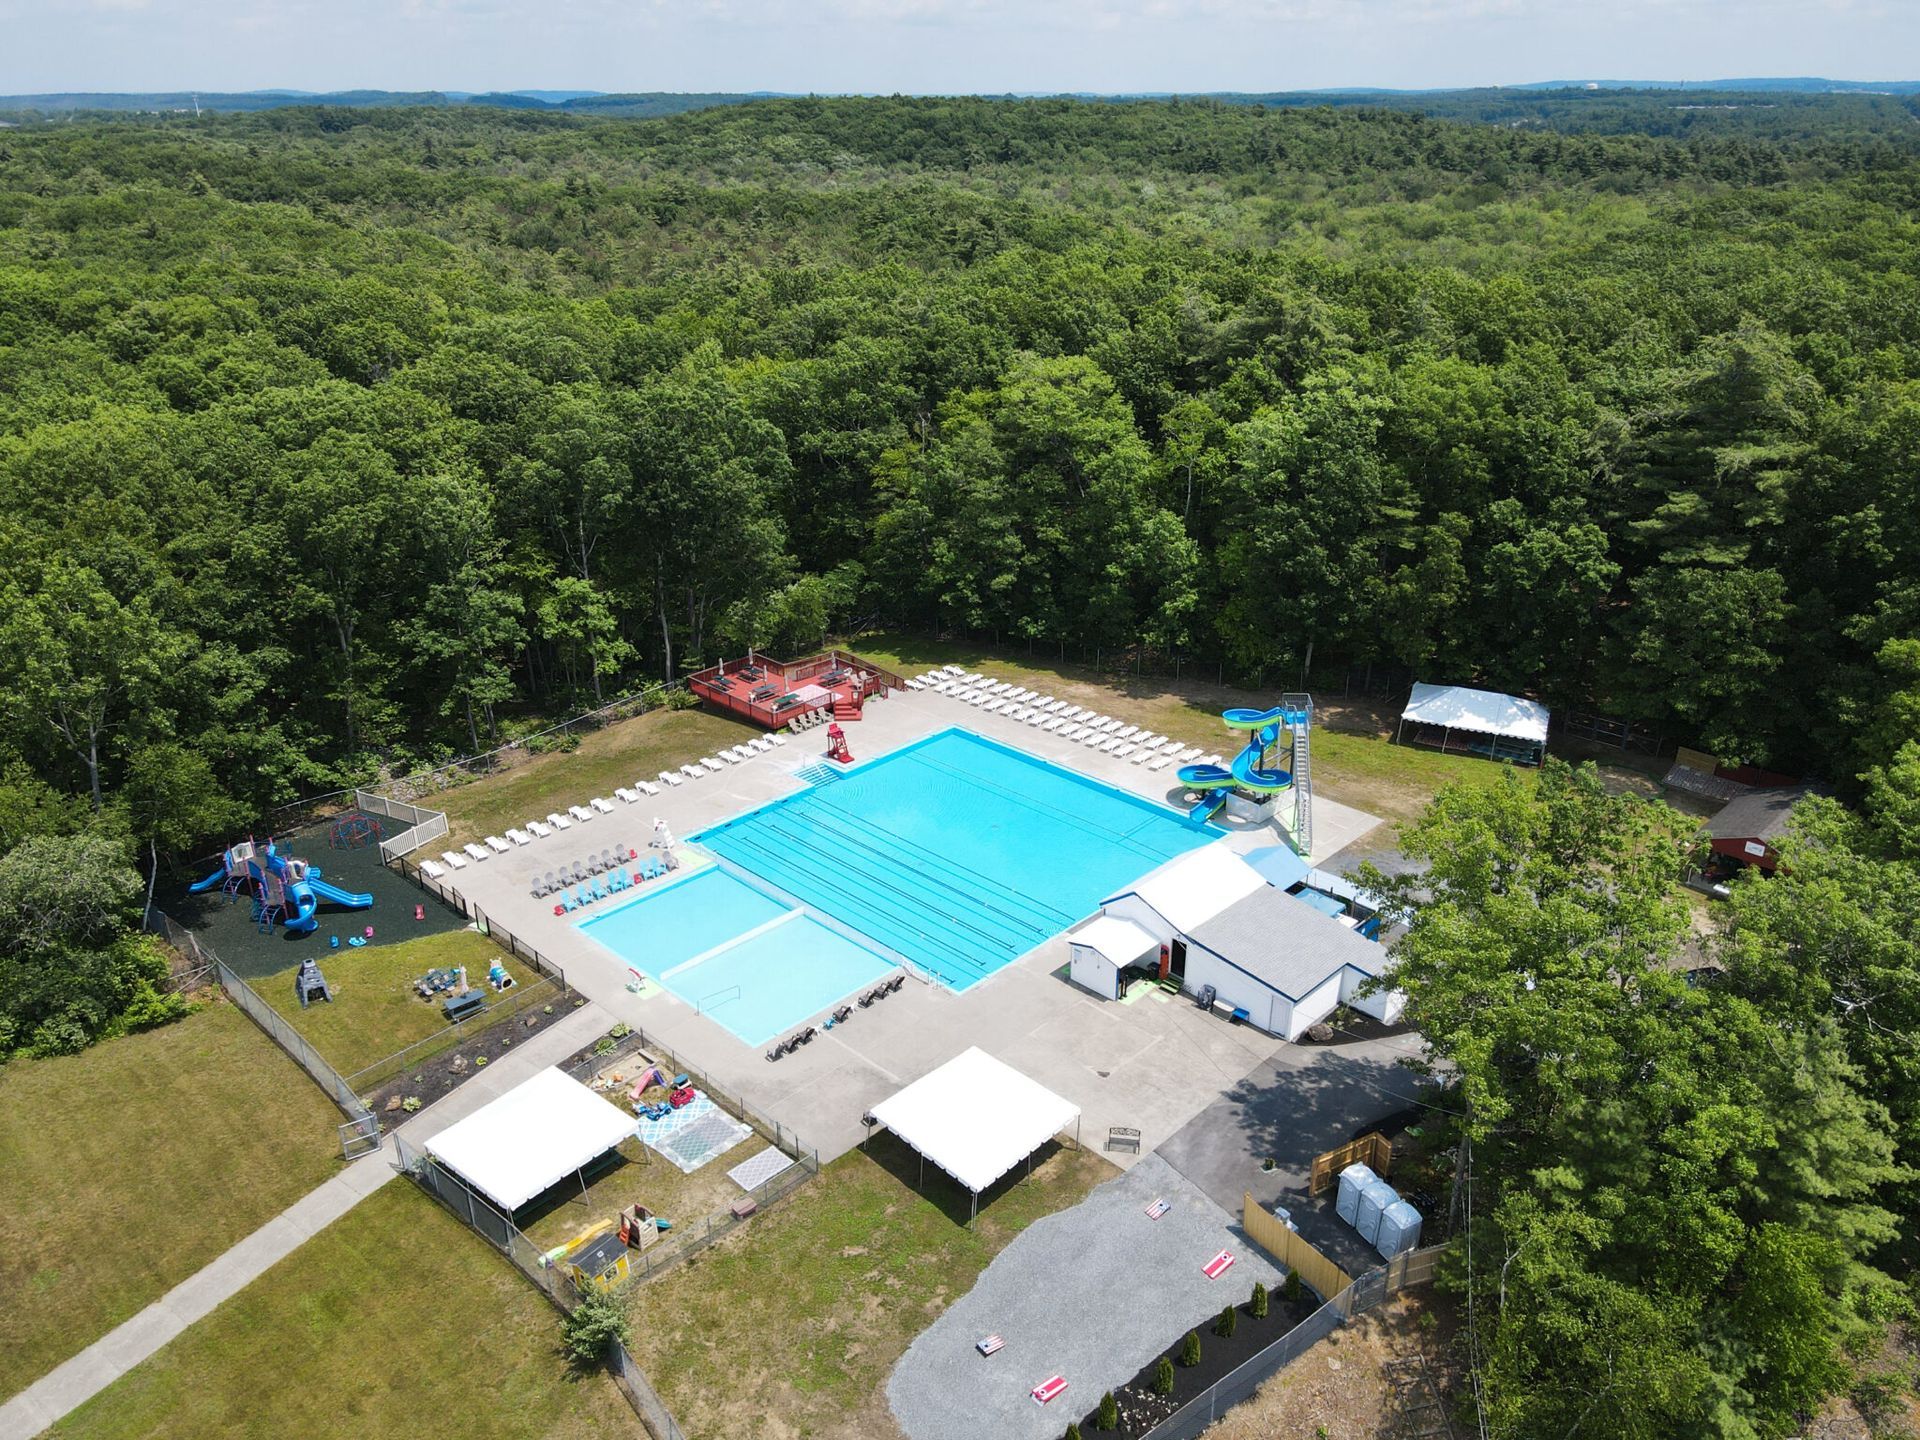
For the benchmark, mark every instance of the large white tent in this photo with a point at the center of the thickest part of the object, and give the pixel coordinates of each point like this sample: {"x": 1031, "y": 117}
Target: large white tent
{"x": 976, "y": 1118}
{"x": 535, "y": 1135}
{"x": 1447, "y": 708}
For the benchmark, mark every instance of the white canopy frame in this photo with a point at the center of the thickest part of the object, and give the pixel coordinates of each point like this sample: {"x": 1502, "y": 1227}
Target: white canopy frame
{"x": 976, "y": 1118}
{"x": 530, "y": 1139}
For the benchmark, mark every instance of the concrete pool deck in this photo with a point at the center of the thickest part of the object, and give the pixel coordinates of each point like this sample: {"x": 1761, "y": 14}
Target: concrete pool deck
{"x": 1151, "y": 1065}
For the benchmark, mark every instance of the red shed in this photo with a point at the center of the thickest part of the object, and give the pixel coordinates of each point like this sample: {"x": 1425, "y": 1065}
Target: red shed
{"x": 1747, "y": 827}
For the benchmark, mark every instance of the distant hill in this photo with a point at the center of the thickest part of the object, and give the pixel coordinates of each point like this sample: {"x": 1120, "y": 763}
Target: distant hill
{"x": 588, "y": 102}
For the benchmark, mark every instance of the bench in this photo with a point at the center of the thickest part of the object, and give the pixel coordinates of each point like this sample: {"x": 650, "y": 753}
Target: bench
{"x": 743, "y": 1207}
{"x": 459, "y": 1007}
{"x": 1123, "y": 1137}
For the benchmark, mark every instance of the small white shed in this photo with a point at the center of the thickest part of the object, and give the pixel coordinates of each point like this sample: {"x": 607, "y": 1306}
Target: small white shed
{"x": 1100, "y": 949}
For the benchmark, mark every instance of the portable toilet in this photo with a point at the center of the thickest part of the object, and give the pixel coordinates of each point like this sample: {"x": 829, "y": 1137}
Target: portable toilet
{"x": 1353, "y": 1180}
{"x": 1399, "y": 1229}
{"x": 1374, "y": 1200}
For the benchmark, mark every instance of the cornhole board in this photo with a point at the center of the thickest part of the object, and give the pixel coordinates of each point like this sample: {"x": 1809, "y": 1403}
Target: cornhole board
{"x": 988, "y": 1344}
{"x": 1218, "y": 1266}
{"x": 1158, "y": 1208}
{"x": 1049, "y": 1389}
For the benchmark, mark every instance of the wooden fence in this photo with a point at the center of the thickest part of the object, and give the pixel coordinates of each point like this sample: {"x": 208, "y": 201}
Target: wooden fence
{"x": 1371, "y": 1150}
{"x": 1272, "y": 1235}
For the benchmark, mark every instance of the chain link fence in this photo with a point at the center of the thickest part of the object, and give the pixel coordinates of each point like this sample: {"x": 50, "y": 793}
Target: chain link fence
{"x": 1416, "y": 1267}
{"x": 361, "y": 1134}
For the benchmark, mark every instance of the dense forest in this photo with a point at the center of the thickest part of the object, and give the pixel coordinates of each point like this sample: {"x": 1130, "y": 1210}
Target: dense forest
{"x": 334, "y": 441}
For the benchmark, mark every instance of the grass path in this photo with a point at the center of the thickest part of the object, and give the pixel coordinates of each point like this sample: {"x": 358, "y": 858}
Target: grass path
{"x": 126, "y": 1168}
{"x": 792, "y": 1326}
{"x": 394, "y": 1320}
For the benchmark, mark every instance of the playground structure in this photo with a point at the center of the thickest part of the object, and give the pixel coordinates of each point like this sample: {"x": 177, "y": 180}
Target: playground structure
{"x": 310, "y": 985}
{"x": 1252, "y": 773}
{"x": 837, "y": 750}
{"x": 284, "y": 889}
{"x": 355, "y": 830}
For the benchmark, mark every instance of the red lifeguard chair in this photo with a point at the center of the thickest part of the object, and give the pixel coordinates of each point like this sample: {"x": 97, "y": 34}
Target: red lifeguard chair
{"x": 837, "y": 745}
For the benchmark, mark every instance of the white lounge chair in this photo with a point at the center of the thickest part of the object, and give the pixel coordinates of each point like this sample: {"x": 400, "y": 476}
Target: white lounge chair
{"x": 497, "y": 845}
{"x": 670, "y": 778}
{"x": 693, "y": 772}
{"x": 1125, "y": 752}
{"x": 580, "y": 813}
{"x": 475, "y": 852}
{"x": 602, "y": 804}
{"x": 454, "y": 858}
{"x": 433, "y": 871}
{"x": 559, "y": 821}
{"x": 1161, "y": 763}
{"x": 623, "y": 794}
{"x": 763, "y": 744}
{"x": 1129, "y": 732}
{"x": 539, "y": 829}
{"x": 712, "y": 764}
{"x": 519, "y": 836}
{"x": 646, "y": 787}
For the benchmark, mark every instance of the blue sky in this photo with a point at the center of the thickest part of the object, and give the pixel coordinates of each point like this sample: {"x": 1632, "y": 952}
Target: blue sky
{"x": 935, "y": 46}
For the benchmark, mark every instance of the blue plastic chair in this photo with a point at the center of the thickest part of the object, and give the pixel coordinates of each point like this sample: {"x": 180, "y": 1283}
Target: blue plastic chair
{"x": 598, "y": 893}
{"x": 567, "y": 899}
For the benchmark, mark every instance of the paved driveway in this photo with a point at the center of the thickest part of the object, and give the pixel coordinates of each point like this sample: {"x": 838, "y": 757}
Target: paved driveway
{"x": 1303, "y": 1101}
{"x": 1091, "y": 1294}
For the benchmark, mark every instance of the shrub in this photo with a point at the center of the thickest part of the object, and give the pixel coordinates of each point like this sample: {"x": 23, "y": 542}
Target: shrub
{"x": 1190, "y": 1349}
{"x": 596, "y": 1320}
{"x": 1163, "y": 1377}
{"x": 1223, "y": 1327}
{"x": 1109, "y": 1413}
{"x": 1073, "y": 1430}
{"x": 1257, "y": 1307}
{"x": 1291, "y": 1290}
{"x": 411, "y": 1104}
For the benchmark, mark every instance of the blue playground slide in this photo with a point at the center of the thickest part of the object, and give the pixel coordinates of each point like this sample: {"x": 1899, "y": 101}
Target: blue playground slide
{"x": 202, "y": 886}
{"x": 306, "y": 896}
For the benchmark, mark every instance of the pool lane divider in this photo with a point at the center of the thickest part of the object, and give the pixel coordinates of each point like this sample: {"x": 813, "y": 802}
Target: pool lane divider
{"x": 726, "y": 945}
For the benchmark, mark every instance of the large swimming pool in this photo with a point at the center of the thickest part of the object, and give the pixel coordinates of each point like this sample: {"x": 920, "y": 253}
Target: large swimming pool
{"x": 753, "y": 963}
{"x": 957, "y": 853}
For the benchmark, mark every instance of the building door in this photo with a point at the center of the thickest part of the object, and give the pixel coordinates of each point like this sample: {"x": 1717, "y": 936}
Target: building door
{"x": 1179, "y": 967}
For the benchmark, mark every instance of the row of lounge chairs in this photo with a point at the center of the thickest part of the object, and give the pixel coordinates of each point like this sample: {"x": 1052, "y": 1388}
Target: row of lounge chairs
{"x": 1057, "y": 717}
{"x": 606, "y": 860}
{"x": 618, "y": 879}
{"x": 808, "y": 720}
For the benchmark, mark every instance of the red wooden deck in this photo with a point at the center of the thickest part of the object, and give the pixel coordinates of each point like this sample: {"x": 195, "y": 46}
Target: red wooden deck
{"x": 772, "y": 692}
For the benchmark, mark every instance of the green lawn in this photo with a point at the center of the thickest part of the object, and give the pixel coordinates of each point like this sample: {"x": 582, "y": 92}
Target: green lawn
{"x": 374, "y": 1010}
{"x": 393, "y": 1321}
{"x": 636, "y": 749}
{"x": 791, "y": 1327}
{"x": 126, "y": 1168}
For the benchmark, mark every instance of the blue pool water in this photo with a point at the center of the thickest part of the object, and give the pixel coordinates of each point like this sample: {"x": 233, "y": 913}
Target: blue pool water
{"x": 956, "y": 852}
{"x": 756, "y": 965}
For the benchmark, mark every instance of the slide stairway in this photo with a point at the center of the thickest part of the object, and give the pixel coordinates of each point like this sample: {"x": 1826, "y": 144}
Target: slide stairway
{"x": 1302, "y": 771}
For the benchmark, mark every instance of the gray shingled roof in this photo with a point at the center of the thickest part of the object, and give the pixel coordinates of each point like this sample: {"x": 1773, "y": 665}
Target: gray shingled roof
{"x": 1760, "y": 815}
{"x": 1285, "y": 943}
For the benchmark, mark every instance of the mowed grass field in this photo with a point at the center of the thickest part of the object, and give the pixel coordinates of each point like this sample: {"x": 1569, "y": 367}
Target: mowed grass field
{"x": 126, "y": 1168}
{"x": 629, "y": 750}
{"x": 1354, "y": 759}
{"x": 791, "y": 1327}
{"x": 393, "y": 1321}
{"x": 374, "y": 1010}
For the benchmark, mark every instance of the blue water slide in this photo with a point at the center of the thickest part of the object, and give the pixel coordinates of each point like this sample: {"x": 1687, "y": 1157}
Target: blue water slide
{"x": 1248, "y": 775}
{"x": 1209, "y": 803}
{"x": 1205, "y": 777}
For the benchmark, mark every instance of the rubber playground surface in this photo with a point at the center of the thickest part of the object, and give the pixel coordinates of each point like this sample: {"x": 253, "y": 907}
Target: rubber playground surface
{"x": 226, "y": 927}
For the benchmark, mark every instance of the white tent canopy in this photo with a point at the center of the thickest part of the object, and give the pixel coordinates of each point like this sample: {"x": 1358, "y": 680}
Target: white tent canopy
{"x": 976, "y": 1117}
{"x": 534, "y": 1136}
{"x": 1121, "y": 941}
{"x": 1487, "y": 712}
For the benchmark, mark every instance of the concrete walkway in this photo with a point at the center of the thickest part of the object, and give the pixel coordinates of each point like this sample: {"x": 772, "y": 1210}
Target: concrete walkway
{"x": 79, "y": 1379}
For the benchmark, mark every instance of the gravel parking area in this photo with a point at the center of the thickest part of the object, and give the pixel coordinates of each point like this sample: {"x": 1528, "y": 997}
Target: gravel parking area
{"x": 1091, "y": 1294}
